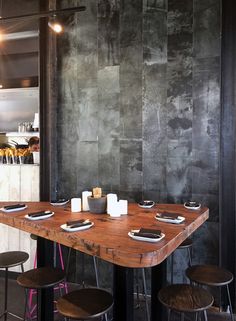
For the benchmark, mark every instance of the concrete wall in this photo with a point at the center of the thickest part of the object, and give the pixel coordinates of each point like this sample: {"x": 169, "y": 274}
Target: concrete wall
{"x": 139, "y": 105}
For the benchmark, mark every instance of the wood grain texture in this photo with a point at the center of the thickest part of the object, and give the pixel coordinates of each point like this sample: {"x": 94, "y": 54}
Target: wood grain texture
{"x": 18, "y": 184}
{"x": 185, "y": 298}
{"x": 108, "y": 238}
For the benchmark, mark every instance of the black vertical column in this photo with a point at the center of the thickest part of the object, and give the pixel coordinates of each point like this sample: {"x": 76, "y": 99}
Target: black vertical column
{"x": 123, "y": 293}
{"x": 45, "y": 297}
{"x": 228, "y": 140}
{"x": 43, "y": 104}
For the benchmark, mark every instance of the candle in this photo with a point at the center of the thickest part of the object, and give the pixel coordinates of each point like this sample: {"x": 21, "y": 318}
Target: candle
{"x": 111, "y": 202}
{"x": 76, "y": 205}
{"x": 115, "y": 211}
{"x": 85, "y": 195}
{"x": 123, "y": 205}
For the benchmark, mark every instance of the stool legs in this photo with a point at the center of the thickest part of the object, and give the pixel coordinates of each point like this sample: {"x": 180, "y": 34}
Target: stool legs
{"x": 205, "y": 315}
{"x": 96, "y": 270}
{"x": 145, "y": 294}
{"x": 230, "y": 304}
{"x": 6, "y": 296}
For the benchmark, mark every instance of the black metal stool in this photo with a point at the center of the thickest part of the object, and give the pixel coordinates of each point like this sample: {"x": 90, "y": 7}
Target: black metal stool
{"x": 185, "y": 245}
{"x": 185, "y": 298}
{"x": 9, "y": 260}
{"x": 213, "y": 276}
{"x": 40, "y": 278}
{"x": 84, "y": 304}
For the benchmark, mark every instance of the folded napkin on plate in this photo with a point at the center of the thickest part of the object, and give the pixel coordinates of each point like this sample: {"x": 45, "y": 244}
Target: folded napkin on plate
{"x": 12, "y": 207}
{"x": 147, "y": 232}
{"x": 77, "y": 223}
{"x": 41, "y": 213}
{"x": 171, "y": 216}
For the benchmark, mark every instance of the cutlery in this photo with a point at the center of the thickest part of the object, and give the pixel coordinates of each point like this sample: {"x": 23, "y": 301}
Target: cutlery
{"x": 78, "y": 223}
{"x": 41, "y": 213}
{"x": 11, "y": 207}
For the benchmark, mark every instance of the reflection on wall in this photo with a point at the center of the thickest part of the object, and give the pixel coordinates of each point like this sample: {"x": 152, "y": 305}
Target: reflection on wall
{"x": 139, "y": 103}
{"x": 17, "y": 106}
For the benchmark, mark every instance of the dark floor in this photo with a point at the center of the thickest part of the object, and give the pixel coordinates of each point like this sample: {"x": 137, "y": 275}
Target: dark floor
{"x": 16, "y": 305}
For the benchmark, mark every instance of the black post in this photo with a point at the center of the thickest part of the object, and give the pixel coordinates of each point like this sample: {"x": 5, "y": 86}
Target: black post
{"x": 228, "y": 140}
{"x": 43, "y": 104}
{"x": 45, "y": 305}
{"x": 158, "y": 280}
{"x": 123, "y": 285}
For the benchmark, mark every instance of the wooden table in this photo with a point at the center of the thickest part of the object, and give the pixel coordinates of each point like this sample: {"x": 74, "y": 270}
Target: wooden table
{"x": 108, "y": 239}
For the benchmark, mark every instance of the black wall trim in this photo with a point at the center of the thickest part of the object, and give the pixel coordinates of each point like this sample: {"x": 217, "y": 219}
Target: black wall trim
{"x": 228, "y": 138}
{"x": 44, "y": 106}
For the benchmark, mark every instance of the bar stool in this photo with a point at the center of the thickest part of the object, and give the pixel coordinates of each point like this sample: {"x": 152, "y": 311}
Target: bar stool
{"x": 184, "y": 298}
{"x": 40, "y": 278}
{"x": 185, "y": 245}
{"x": 84, "y": 304}
{"x": 32, "y": 308}
{"x": 212, "y": 276}
{"x": 8, "y": 260}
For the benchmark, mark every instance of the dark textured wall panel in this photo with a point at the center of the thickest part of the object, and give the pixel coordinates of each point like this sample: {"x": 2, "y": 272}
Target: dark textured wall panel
{"x": 139, "y": 104}
{"x": 108, "y": 32}
{"x": 131, "y": 58}
{"x": 154, "y": 104}
{"x": 179, "y": 100}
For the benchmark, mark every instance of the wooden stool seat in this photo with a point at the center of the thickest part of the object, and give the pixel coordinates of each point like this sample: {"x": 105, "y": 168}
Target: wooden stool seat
{"x": 12, "y": 258}
{"x": 41, "y": 278}
{"x": 8, "y": 260}
{"x": 210, "y": 275}
{"x": 185, "y": 298}
{"x": 84, "y": 304}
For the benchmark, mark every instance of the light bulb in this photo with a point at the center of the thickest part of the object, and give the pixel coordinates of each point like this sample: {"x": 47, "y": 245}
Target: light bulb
{"x": 55, "y": 26}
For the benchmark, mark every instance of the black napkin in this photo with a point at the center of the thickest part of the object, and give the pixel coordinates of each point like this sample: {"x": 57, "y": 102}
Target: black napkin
{"x": 41, "y": 213}
{"x": 77, "y": 223}
{"x": 14, "y": 206}
{"x": 170, "y": 216}
{"x": 149, "y": 233}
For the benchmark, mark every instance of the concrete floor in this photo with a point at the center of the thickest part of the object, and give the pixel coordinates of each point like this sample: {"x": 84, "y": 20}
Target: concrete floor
{"x": 16, "y": 305}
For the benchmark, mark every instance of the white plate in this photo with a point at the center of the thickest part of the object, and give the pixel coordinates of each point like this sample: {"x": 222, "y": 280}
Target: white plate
{"x": 192, "y": 207}
{"x": 146, "y": 239}
{"x": 178, "y": 220}
{"x": 75, "y": 229}
{"x": 60, "y": 203}
{"x": 13, "y": 210}
{"x": 43, "y": 217}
